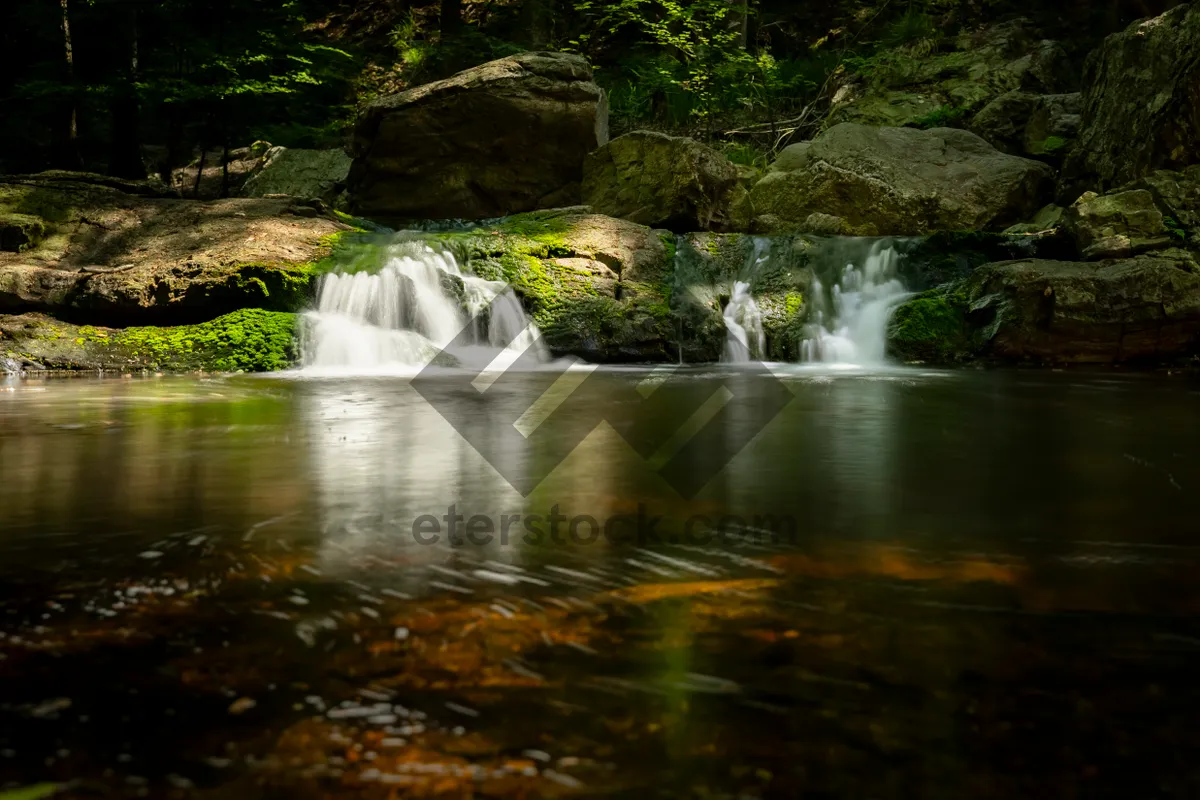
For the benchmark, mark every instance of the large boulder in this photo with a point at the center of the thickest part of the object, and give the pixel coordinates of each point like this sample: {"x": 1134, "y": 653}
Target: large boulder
{"x": 110, "y": 253}
{"x": 507, "y": 136}
{"x": 1177, "y": 194}
{"x": 1142, "y": 309}
{"x": 1141, "y": 105}
{"x": 1116, "y": 225}
{"x": 319, "y": 174}
{"x": 662, "y": 181}
{"x": 899, "y": 181}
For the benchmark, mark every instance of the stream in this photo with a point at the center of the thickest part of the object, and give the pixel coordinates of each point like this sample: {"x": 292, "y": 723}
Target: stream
{"x": 907, "y": 582}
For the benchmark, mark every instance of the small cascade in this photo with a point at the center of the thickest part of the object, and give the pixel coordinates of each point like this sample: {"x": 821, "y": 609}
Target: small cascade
{"x": 401, "y": 316}
{"x": 850, "y": 301}
{"x": 745, "y": 339}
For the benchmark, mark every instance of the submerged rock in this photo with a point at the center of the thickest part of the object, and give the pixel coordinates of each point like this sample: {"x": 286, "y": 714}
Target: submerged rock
{"x": 319, "y": 174}
{"x": 662, "y": 181}
{"x": 889, "y": 181}
{"x": 1141, "y": 309}
{"x": 504, "y": 137}
{"x": 1139, "y": 102}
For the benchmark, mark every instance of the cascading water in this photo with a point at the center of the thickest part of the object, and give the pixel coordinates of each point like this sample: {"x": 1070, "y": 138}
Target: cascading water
{"x": 743, "y": 325}
{"x": 848, "y": 320}
{"x": 401, "y": 316}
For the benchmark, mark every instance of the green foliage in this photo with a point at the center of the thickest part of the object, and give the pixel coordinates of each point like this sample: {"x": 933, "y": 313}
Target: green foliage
{"x": 941, "y": 117}
{"x": 1053, "y": 144}
{"x": 1174, "y": 228}
{"x": 37, "y": 792}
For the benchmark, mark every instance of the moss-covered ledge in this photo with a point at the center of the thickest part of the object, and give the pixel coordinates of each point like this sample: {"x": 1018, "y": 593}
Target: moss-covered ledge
{"x": 249, "y": 340}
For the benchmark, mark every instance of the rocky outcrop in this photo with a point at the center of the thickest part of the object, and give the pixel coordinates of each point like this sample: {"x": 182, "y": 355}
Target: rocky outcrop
{"x": 504, "y": 137}
{"x": 1116, "y": 225}
{"x": 107, "y": 256}
{"x": 317, "y": 174}
{"x": 909, "y": 86}
{"x": 1143, "y": 309}
{"x": 662, "y": 181}
{"x": 599, "y": 288}
{"x": 1035, "y": 126}
{"x": 1141, "y": 107}
{"x": 1177, "y": 195}
{"x": 883, "y": 181}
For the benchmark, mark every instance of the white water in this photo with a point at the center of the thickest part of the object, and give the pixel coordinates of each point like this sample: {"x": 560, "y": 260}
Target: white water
{"x": 400, "y": 318}
{"x": 848, "y": 324}
{"x": 743, "y": 325}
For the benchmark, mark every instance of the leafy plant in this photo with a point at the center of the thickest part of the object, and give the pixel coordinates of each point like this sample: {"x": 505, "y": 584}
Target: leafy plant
{"x": 1174, "y": 228}
{"x": 941, "y": 117}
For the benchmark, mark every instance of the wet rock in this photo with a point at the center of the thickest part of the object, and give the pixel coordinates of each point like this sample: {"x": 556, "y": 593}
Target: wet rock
{"x": 1048, "y": 219}
{"x": 900, "y": 181}
{"x": 662, "y": 181}
{"x": 1139, "y": 103}
{"x": 317, "y": 174}
{"x": 504, "y": 137}
{"x": 1116, "y": 225}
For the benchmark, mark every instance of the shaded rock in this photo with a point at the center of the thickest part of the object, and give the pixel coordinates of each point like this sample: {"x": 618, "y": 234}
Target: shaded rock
{"x": 507, "y": 136}
{"x": 900, "y": 181}
{"x": 909, "y": 86}
{"x": 662, "y": 181}
{"x": 827, "y": 224}
{"x": 1139, "y": 103}
{"x": 1047, "y": 219}
{"x": 1141, "y": 309}
{"x": 217, "y": 179}
{"x": 1116, "y": 225}
{"x": 319, "y": 174}
{"x": 1053, "y": 126}
{"x": 20, "y": 232}
{"x": 1002, "y": 122}
{"x": 1178, "y": 195}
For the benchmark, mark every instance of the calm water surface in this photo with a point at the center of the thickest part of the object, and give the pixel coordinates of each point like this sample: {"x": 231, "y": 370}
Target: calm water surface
{"x": 968, "y": 584}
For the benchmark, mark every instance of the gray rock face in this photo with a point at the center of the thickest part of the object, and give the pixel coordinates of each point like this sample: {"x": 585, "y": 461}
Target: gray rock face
{"x": 319, "y": 174}
{"x": 1116, "y": 225}
{"x": 899, "y": 181}
{"x": 661, "y": 181}
{"x": 507, "y": 136}
{"x": 1141, "y": 107}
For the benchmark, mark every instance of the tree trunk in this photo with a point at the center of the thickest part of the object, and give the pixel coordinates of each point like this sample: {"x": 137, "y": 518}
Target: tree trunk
{"x": 68, "y": 155}
{"x": 199, "y": 172}
{"x": 451, "y": 18}
{"x": 126, "y": 160}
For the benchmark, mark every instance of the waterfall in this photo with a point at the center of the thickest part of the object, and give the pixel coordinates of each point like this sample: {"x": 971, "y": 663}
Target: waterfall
{"x": 850, "y": 303}
{"x": 401, "y": 316}
{"x": 743, "y": 325}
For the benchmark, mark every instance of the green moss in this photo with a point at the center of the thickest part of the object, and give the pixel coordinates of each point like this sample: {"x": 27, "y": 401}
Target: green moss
{"x": 931, "y": 327}
{"x": 668, "y": 240}
{"x": 793, "y": 303}
{"x": 252, "y": 340}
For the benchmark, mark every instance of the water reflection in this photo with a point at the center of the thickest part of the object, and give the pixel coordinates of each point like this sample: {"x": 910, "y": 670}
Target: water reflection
{"x": 991, "y": 591}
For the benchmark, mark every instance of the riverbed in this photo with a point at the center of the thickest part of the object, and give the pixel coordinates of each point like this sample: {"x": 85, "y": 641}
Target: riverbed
{"x": 877, "y": 583}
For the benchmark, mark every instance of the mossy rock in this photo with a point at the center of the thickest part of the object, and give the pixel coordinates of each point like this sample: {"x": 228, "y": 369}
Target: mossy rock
{"x": 931, "y": 328}
{"x": 249, "y": 340}
{"x": 19, "y": 232}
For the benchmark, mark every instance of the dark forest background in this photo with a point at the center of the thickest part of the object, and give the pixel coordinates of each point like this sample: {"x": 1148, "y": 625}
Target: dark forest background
{"x": 137, "y": 87}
